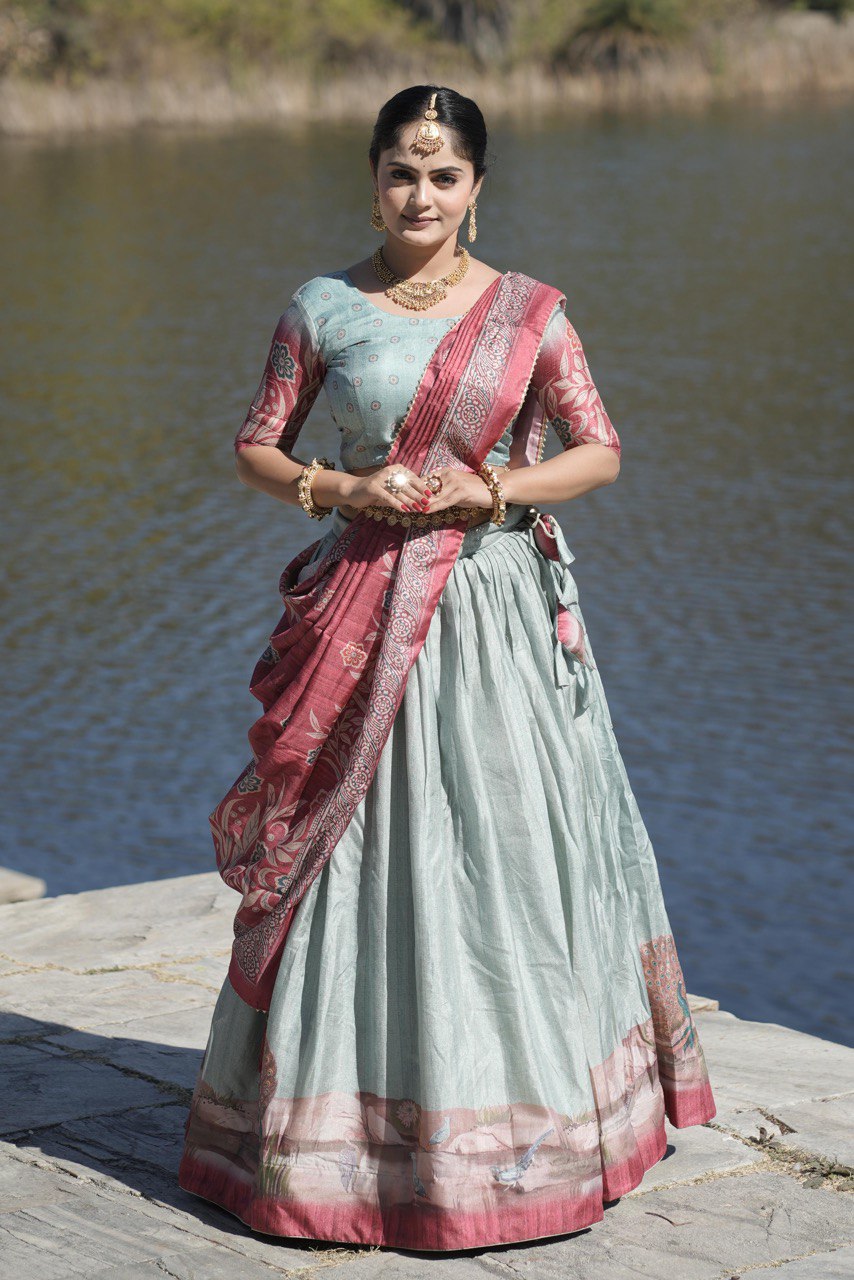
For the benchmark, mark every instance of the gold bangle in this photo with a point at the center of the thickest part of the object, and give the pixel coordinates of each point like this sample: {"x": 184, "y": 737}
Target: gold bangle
{"x": 488, "y": 474}
{"x": 304, "y": 480}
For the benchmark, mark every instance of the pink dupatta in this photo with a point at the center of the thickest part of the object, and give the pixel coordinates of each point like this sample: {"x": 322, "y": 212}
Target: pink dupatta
{"x": 333, "y": 676}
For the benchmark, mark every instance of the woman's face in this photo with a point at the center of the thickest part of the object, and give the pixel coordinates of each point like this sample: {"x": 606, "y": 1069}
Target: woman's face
{"x": 424, "y": 199}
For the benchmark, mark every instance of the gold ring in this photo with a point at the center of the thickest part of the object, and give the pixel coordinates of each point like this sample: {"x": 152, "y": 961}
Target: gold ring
{"x": 434, "y": 483}
{"x": 395, "y": 482}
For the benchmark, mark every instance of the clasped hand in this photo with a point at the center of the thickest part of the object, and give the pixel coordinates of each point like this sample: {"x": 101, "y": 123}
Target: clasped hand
{"x": 459, "y": 488}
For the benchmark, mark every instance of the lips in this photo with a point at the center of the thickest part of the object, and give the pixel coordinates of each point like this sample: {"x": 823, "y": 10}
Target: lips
{"x": 419, "y": 222}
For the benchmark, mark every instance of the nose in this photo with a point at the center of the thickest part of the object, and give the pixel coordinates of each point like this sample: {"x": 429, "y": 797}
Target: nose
{"x": 421, "y": 197}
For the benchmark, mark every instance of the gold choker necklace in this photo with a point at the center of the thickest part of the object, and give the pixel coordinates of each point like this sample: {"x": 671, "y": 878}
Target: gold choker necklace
{"x": 417, "y": 295}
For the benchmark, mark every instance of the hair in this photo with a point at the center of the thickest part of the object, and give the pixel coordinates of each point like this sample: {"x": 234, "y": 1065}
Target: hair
{"x": 457, "y": 112}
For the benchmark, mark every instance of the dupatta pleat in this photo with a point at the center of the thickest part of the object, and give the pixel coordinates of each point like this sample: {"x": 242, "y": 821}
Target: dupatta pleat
{"x": 334, "y": 673}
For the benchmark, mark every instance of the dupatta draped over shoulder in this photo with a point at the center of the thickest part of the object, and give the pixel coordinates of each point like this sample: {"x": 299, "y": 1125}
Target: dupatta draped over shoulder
{"x": 334, "y": 673}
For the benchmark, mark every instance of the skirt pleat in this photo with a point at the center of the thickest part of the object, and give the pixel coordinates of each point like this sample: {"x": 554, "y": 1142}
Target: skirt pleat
{"x": 479, "y": 1023}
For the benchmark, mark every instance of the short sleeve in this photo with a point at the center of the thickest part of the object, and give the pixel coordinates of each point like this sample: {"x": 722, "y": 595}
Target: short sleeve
{"x": 566, "y": 391}
{"x": 293, "y": 375}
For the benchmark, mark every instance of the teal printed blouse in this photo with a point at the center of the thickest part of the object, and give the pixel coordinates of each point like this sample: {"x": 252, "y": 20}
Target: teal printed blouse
{"x": 370, "y": 363}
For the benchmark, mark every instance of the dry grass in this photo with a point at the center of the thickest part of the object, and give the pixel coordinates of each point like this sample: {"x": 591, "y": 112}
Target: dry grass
{"x": 763, "y": 56}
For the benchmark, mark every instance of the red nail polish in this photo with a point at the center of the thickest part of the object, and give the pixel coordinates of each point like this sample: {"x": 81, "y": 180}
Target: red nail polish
{"x": 405, "y": 507}
{"x": 428, "y": 492}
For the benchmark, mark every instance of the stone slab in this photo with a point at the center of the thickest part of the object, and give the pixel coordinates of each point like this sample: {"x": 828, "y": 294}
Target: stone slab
{"x": 38, "y": 1002}
{"x": 693, "y": 1153}
{"x": 16, "y": 886}
{"x": 208, "y": 972}
{"x": 824, "y": 1127}
{"x": 124, "y": 926}
{"x": 87, "y": 1231}
{"x": 209, "y": 1264}
{"x": 700, "y": 1231}
{"x": 391, "y": 1264}
{"x": 139, "y": 1149}
{"x": 108, "y": 998}
{"x": 838, "y": 1265}
{"x": 166, "y": 1045}
{"x": 764, "y": 1064}
{"x": 45, "y": 1204}
{"x": 702, "y": 1004}
{"x": 38, "y": 1091}
{"x": 169, "y": 1065}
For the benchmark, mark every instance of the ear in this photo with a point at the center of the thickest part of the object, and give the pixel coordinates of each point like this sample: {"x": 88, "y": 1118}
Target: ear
{"x": 475, "y": 191}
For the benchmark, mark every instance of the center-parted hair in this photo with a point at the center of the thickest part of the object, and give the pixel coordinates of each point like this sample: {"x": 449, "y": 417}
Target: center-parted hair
{"x": 458, "y": 113}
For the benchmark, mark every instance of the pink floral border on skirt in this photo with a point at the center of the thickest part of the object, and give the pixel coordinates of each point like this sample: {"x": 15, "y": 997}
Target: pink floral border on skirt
{"x": 362, "y": 1169}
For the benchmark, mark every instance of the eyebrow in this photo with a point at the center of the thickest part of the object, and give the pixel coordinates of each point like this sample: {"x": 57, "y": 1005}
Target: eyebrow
{"x": 401, "y": 164}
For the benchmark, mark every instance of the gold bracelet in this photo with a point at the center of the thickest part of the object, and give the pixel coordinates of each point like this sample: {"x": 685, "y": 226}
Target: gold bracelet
{"x": 488, "y": 474}
{"x": 304, "y": 480}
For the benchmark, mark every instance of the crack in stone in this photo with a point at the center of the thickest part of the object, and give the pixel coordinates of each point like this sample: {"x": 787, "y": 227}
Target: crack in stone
{"x": 781, "y": 1124}
{"x": 182, "y": 978}
{"x": 785, "y": 1157}
{"x": 161, "y": 1266}
{"x": 768, "y": 1226}
{"x": 177, "y": 1092}
{"x": 324, "y": 1259}
{"x": 699, "y": 1179}
{"x": 32, "y": 1038}
{"x": 14, "y": 1136}
{"x": 490, "y": 1261}
{"x": 735, "y": 1273}
{"x": 27, "y": 966}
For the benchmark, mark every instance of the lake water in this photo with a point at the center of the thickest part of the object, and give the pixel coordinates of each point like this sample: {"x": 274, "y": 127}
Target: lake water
{"x": 703, "y": 259}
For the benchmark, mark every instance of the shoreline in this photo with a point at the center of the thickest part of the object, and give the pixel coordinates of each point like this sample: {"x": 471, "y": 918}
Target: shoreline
{"x": 764, "y": 59}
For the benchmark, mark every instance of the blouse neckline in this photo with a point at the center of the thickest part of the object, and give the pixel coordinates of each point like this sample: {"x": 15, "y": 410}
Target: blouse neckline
{"x": 345, "y": 275}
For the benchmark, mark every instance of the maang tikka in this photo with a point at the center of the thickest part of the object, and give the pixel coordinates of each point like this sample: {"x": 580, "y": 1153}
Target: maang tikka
{"x": 428, "y": 137}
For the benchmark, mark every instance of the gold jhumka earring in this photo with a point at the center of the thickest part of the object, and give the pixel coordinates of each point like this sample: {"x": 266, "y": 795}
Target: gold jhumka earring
{"x": 472, "y": 222}
{"x": 377, "y": 214}
{"x": 429, "y": 137}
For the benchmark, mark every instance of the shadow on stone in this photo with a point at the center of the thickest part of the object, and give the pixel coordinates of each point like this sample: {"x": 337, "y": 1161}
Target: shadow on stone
{"x": 78, "y": 1099}
{"x": 114, "y": 1109}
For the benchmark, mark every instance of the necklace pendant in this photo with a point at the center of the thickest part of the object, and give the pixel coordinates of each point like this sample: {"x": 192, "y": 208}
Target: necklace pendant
{"x": 418, "y": 295}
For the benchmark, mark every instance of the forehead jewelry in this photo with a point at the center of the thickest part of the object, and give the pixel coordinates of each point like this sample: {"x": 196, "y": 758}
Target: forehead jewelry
{"x": 428, "y": 137}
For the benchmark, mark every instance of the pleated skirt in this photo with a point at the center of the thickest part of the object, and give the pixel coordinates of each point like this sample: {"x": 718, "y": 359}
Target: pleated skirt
{"x": 480, "y": 1022}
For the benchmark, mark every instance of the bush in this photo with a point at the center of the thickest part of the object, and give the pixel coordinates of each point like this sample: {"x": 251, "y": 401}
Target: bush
{"x": 75, "y": 36}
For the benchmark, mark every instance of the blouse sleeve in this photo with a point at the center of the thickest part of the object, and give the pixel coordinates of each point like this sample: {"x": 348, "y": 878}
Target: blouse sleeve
{"x": 566, "y": 391}
{"x": 293, "y": 375}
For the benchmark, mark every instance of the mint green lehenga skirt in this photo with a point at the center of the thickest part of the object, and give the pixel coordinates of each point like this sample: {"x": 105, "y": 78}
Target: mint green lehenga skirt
{"x": 480, "y": 1021}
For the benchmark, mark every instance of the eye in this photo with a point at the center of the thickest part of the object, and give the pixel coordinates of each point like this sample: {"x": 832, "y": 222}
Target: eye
{"x": 446, "y": 179}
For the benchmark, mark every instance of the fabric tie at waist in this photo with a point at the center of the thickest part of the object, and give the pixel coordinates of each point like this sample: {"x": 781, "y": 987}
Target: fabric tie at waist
{"x": 573, "y": 659}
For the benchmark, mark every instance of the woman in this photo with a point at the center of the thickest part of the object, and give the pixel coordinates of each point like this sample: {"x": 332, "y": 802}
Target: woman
{"x": 454, "y": 1014}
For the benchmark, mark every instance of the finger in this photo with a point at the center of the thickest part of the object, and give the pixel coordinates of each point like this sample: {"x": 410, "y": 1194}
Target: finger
{"x": 417, "y": 492}
{"x": 408, "y": 498}
{"x": 399, "y": 499}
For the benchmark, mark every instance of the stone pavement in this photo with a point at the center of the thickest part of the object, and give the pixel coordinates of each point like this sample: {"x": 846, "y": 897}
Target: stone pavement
{"x": 107, "y": 998}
